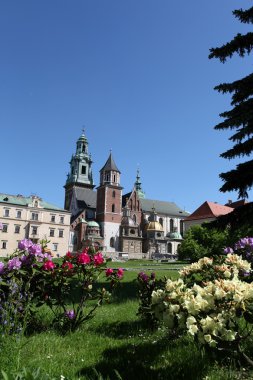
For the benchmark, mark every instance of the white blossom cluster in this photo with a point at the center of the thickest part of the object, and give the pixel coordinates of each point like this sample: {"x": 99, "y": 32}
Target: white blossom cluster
{"x": 228, "y": 269}
{"x": 209, "y": 312}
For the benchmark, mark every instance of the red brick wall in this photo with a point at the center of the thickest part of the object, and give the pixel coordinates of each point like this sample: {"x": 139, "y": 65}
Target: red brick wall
{"x": 105, "y": 200}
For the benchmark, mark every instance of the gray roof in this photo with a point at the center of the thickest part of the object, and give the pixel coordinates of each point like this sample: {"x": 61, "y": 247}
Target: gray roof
{"x": 21, "y": 200}
{"x": 162, "y": 207}
{"x": 110, "y": 165}
{"x": 86, "y": 197}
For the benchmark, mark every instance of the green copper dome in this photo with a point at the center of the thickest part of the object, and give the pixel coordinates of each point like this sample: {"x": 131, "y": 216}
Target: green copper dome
{"x": 92, "y": 223}
{"x": 174, "y": 235}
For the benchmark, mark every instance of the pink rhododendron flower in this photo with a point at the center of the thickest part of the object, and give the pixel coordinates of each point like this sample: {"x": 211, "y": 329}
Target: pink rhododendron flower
{"x": 25, "y": 244}
{"x": 69, "y": 255}
{"x": 70, "y": 314}
{"x": 14, "y": 263}
{"x": 1, "y": 267}
{"x": 67, "y": 265}
{"x": 120, "y": 272}
{"x": 98, "y": 259}
{"x": 83, "y": 258}
{"x": 48, "y": 265}
{"x": 109, "y": 272}
{"x": 35, "y": 249}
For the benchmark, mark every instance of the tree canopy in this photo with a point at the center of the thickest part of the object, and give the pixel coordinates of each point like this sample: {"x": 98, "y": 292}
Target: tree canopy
{"x": 240, "y": 118}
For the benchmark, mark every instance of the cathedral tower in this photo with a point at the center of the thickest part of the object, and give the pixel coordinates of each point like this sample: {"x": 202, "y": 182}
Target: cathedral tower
{"x": 109, "y": 199}
{"x": 80, "y": 175}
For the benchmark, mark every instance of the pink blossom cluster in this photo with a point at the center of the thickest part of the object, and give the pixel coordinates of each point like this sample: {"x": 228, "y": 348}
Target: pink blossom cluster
{"x": 110, "y": 272}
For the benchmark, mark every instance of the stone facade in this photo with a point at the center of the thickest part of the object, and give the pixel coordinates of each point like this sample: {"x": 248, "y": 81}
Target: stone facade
{"x": 32, "y": 218}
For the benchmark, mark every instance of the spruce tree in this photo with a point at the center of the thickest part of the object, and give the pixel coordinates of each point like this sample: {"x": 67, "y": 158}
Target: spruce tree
{"x": 239, "y": 119}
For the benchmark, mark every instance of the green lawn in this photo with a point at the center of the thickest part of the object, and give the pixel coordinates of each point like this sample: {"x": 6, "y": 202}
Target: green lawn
{"x": 115, "y": 340}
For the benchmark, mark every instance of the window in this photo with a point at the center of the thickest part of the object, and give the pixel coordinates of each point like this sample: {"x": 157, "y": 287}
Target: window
{"x": 134, "y": 218}
{"x": 83, "y": 171}
{"x": 36, "y": 204}
{"x": 4, "y": 244}
{"x": 35, "y": 216}
{"x": 169, "y": 248}
{"x": 17, "y": 229}
{"x": 62, "y": 219}
{"x": 53, "y": 218}
{"x": 113, "y": 208}
{"x": 161, "y": 221}
{"x": 5, "y": 228}
{"x": 181, "y": 227}
{"x": 61, "y": 233}
{"x": 112, "y": 242}
{"x": 18, "y": 214}
{"x": 113, "y": 194}
{"x": 51, "y": 232}
{"x": 55, "y": 247}
{"x": 171, "y": 225}
{"x": 6, "y": 212}
{"x": 34, "y": 230}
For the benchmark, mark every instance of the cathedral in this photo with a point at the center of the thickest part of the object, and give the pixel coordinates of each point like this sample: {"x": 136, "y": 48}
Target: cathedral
{"x": 128, "y": 225}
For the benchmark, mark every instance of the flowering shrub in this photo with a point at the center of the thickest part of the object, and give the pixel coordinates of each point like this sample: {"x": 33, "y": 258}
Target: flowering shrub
{"x": 220, "y": 267}
{"x": 146, "y": 285}
{"x": 244, "y": 248}
{"x": 209, "y": 300}
{"x": 30, "y": 278}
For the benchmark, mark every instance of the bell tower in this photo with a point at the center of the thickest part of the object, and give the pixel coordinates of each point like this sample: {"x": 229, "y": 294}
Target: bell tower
{"x": 80, "y": 174}
{"x": 109, "y": 200}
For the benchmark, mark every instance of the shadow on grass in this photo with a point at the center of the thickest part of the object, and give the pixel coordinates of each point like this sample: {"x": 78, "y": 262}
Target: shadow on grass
{"x": 160, "y": 360}
{"x": 121, "y": 330}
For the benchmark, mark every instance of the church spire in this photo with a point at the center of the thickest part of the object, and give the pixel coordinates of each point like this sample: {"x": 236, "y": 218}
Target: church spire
{"x": 137, "y": 185}
{"x": 110, "y": 174}
{"x": 80, "y": 165}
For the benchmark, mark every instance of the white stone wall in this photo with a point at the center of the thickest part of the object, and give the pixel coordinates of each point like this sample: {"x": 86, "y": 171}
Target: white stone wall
{"x": 110, "y": 230}
{"x": 59, "y": 243}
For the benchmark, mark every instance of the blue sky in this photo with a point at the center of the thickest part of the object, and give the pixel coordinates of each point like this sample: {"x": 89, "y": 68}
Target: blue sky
{"x": 136, "y": 73}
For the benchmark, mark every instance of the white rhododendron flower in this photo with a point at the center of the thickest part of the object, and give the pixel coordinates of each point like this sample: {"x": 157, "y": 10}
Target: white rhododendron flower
{"x": 208, "y": 310}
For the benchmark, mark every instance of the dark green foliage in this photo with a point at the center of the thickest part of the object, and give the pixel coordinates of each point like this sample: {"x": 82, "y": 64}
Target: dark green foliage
{"x": 238, "y": 223}
{"x": 146, "y": 285}
{"x": 201, "y": 241}
{"x": 240, "y": 117}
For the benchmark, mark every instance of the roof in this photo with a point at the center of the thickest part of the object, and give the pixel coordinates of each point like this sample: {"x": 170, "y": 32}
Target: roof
{"x": 110, "y": 165}
{"x": 162, "y": 207}
{"x": 92, "y": 223}
{"x": 21, "y": 200}
{"x": 154, "y": 226}
{"x": 209, "y": 210}
{"x": 86, "y": 197}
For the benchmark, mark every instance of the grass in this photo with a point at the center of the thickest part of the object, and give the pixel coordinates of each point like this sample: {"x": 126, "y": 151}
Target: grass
{"x": 115, "y": 341}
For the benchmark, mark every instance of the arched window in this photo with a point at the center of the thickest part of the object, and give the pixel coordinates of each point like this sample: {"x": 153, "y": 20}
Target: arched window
{"x": 169, "y": 248}
{"x": 161, "y": 221}
{"x": 113, "y": 194}
{"x": 113, "y": 208}
{"x": 134, "y": 218}
{"x": 112, "y": 242}
{"x": 171, "y": 225}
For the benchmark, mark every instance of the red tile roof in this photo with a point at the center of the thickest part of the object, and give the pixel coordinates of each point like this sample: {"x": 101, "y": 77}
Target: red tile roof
{"x": 209, "y": 210}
